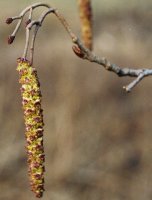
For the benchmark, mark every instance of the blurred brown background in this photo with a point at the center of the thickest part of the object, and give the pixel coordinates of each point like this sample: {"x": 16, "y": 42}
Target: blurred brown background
{"x": 97, "y": 138}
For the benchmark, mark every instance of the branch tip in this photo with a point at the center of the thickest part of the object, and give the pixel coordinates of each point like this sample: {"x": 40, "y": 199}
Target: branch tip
{"x": 10, "y": 39}
{"x": 126, "y": 89}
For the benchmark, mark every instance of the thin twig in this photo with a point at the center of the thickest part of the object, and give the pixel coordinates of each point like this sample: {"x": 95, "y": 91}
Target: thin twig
{"x": 144, "y": 73}
{"x": 30, "y": 16}
{"x": 30, "y": 13}
{"x": 44, "y": 14}
{"x": 37, "y": 24}
{"x": 65, "y": 24}
{"x": 33, "y": 43}
{"x": 90, "y": 56}
{"x": 26, "y": 44}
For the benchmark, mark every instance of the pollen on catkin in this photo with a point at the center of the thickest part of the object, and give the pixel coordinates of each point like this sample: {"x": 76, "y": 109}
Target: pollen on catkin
{"x": 33, "y": 117}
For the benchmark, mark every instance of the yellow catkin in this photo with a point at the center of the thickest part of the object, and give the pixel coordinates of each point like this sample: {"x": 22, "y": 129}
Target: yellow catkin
{"x": 33, "y": 117}
{"x": 86, "y": 22}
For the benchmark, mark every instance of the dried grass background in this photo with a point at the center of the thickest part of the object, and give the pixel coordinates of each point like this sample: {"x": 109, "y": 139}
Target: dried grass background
{"x": 97, "y": 138}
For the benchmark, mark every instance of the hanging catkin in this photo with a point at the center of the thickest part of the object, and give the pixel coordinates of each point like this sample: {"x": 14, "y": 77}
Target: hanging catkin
{"x": 86, "y": 22}
{"x": 33, "y": 117}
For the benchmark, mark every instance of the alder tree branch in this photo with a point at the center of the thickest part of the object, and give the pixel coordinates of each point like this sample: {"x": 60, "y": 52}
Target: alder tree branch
{"x": 85, "y": 53}
{"x": 79, "y": 49}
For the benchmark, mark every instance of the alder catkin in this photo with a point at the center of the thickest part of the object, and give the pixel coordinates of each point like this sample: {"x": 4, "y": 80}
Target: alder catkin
{"x": 33, "y": 117}
{"x": 85, "y": 12}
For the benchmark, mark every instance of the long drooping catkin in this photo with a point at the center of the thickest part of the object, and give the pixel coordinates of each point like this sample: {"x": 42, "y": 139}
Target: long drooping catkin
{"x": 33, "y": 117}
{"x": 86, "y": 22}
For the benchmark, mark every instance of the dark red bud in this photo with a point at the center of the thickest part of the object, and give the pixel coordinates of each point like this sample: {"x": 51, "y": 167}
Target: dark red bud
{"x": 9, "y": 20}
{"x": 77, "y": 51}
{"x": 11, "y": 39}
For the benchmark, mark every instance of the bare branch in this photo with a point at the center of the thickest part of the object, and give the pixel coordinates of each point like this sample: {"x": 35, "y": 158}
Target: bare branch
{"x": 79, "y": 49}
{"x": 37, "y": 25}
{"x": 90, "y": 56}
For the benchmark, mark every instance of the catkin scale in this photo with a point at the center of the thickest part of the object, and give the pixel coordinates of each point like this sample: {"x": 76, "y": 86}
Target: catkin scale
{"x": 33, "y": 117}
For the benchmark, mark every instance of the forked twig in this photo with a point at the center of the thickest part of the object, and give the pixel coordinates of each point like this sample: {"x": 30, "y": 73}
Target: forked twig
{"x": 20, "y": 18}
{"x": 79, "y": 49}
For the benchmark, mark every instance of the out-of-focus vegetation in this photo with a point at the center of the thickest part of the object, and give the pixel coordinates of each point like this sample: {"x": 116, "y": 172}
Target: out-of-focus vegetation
{"x": 97, "y": 138}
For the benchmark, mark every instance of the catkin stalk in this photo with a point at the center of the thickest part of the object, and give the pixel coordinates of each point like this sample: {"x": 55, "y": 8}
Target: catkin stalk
{"x": 86, "y": 22}
{"x": 33, "y": 117}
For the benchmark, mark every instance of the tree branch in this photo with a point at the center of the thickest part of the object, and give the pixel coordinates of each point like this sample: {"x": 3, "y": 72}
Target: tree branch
{"x": 79, "y": 49}
{"x": 82, "y": 52}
